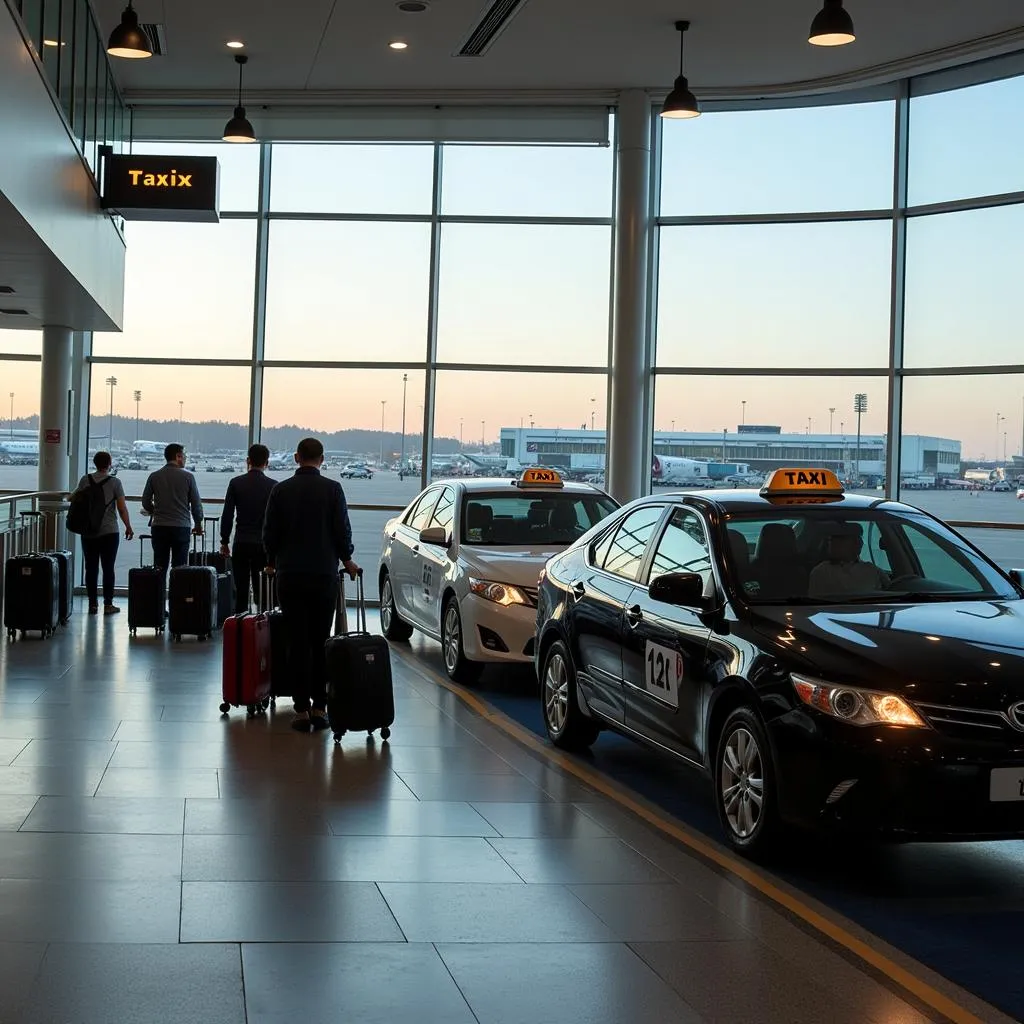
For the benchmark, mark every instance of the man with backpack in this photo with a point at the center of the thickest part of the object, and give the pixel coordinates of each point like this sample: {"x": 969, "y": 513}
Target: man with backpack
{"x": 171, "y": 498}
{"x": 95, "y": 506}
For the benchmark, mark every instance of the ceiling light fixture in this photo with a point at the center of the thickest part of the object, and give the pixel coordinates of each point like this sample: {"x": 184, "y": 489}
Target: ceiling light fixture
{"x": 832, "y": 26}
{"x": 128, "y": 40}
{"x": 238, "y": 129}
{"x": 398, "y": 44}
{"x": 234, "y": 44}
{"x": 53, "y": 42}
{"x": 680, "y": 103}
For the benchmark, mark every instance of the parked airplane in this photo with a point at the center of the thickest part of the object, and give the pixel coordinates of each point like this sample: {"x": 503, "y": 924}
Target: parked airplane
{"x": 19, "y": 453}
{"x": 670, "y": 470}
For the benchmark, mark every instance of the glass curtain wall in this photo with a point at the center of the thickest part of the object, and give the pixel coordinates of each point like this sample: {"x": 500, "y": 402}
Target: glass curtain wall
{"x": 811, "y": 255}
{"x": 19, "y": 409}
{"x": 412, "y": 305}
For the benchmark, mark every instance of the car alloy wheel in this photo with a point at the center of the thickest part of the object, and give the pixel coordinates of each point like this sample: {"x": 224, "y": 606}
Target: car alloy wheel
{"x": 556, "y": 693}
{"x": 742, "y": 782}
{"x": 452, "y": 638}
{"x": 387, "y": 605}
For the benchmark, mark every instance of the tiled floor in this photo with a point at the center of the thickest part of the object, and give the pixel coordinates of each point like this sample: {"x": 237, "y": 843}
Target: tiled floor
{"x": 161, "y": 864}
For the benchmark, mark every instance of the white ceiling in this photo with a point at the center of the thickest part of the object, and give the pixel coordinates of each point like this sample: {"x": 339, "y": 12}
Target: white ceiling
{"x": 573, "y": 46}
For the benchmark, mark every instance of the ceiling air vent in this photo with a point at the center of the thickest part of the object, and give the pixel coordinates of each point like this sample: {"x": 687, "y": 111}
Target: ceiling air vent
{"x": 157, "y": 36}
{"x": 6, "y": 289}
{"x": 491, "y": 24}
{"x": 14, "y": 312}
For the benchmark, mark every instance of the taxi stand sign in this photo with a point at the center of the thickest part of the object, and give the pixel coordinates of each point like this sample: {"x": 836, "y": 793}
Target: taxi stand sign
{"x": 538, "y": 476}
{"x": 802, "y": 483}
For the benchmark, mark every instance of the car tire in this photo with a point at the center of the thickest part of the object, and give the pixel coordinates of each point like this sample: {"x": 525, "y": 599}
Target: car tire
{"x": 459, "y": 668}
{"x": 565, "y": 722}
{"x": 745, "y": 785}
{"x": 392, "y": 625}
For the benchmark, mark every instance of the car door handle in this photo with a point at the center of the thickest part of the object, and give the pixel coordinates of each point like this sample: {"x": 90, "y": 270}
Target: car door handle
{"x": 415, "y": 549}
{"x": 633, "y": 616}
{"x": 579, "y": 591}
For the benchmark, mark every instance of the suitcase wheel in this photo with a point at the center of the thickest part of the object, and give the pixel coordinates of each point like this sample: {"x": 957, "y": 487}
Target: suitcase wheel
{"x": 225, "y": 708}
{"x": 385, "y": 733}
{"x": 132, "y": 631}
{"x": 338, "y": 735}
{"x": 273, "y": 702}
{"x": 250, "y": 711}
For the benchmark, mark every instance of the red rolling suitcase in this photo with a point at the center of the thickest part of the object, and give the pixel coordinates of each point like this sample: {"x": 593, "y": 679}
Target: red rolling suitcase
{"x": 246, "y": 679}
{"x": 359, "y": 691}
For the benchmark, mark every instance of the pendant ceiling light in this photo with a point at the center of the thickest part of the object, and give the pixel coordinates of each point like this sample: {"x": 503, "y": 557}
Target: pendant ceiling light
{"x": 238, "y": 129}
{"x": 832, "y": 26}
{"x": 680, "y": 102}
{"x": 128, "y": 39}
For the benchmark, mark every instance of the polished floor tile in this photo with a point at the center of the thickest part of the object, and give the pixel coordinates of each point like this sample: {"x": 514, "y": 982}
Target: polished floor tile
{"x": 657, "y": 913}
{"x": 138, "y": 984}
{"x": 255, "y": 816}
{"x": 393, "y": 983}
{"x": 577, "y": 860}
{"x": 81, "y": 727}
{"x": 57, "y": 752}
{"x": 454, "y": 760}
{"x": 431, "y": 912}
{"x": 531, "y": 821}
{"x": 472, "y": 788}
{"x": 38, "y": 910}
{"x": 158, "y": 782}
{"x": 19, "y": 964}
{"x": 10, "y": 748}
{"x": 314, "y": 785}
{"x": 55, "y": 780}
{"x": 407, "y": 818}
{"x": 14, "y": 810}
{"x": 343, "y": 859}
{"x": 127, "y": 815}
{"x": 286, "y": 912}
{"x": 586, "y": 983}
{"x": 60, "y": 855}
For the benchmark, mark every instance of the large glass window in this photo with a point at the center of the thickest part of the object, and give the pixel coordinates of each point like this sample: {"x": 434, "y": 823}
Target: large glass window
{"x": 775, "y": 295}
{"x": 527, "y": 181}
{"x": 980, "y": 157}
{"x": 19, "y": 424}
{"x": 964, "y": 303}
{"x": 189, "y": 291}
{"x": 352, "y": 178}
{"x": 28, "y": 342}
{"x": 626, "y": 554}
{"x": 806, "y": 159}
{"x": 526, "y": 294}
{"x": 345, "y": 291}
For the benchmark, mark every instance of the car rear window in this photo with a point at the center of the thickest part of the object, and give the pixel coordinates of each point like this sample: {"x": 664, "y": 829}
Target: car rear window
{"x": 531, "y": 519}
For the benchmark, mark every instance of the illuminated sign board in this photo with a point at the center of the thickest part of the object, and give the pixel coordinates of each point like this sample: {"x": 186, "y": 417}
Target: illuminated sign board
{"x": 162, "y": 187}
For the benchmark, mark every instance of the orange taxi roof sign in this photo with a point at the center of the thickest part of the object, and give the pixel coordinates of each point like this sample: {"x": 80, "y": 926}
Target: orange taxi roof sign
{"x": 539, "y": 476}
{"x": 803, "y": 482}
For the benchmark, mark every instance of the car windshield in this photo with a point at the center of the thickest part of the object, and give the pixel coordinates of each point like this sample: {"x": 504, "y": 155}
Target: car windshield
{"x": 531, "y": 519}
{"x": 819, "y": 555}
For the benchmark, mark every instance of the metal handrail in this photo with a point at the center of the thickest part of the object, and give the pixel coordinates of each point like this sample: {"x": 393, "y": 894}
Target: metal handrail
{"x": 976, "y": 525}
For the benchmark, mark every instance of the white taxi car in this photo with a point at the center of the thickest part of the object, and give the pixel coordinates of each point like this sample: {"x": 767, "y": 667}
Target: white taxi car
{"x": 462, "y": 562}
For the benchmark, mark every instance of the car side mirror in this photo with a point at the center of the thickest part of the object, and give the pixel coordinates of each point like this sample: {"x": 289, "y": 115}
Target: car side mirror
{"x": 685, "y": 589}
{"x": 1017, "y": 575}
{"x": 436, "y": 535}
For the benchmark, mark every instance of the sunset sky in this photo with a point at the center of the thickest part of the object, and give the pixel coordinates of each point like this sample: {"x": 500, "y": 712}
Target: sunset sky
{"x": 738, "y": 296}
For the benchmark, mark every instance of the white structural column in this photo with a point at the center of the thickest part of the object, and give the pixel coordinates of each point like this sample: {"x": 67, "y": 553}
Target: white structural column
{"x": 629, "y": 377}
{"x": 54, "y": 409}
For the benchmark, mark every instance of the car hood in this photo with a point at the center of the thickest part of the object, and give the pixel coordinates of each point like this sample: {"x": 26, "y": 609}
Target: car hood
{"x": 963, "y": 654}
{"x": 518, "y": 565}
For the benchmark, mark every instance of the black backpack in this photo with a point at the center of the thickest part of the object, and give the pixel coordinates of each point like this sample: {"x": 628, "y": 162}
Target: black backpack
{"x": 88, "y": 507}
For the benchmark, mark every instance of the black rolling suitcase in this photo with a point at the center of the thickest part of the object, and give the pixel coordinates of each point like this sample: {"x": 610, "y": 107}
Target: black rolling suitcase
{"x": 65, "y": 570}
{"x": 193, "y": 600}
{"x": 359, "y": 692}
{"x": 147, "y": 595}
{"x": 225, "y": 579}
{"x": 31, "y": 595}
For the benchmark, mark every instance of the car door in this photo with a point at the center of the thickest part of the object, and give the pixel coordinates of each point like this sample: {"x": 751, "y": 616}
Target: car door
{"x": 606, "y": 578}
{"x": 406, "y": 573}
{"x": 434, "y": 562}
{"x": 664, "y": 662}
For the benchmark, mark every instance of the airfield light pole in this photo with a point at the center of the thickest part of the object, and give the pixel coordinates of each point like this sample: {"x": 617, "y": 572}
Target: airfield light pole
{"x": 383, "y": 402}
{"x": 401, "y": 463}
{"x": 860, "y": 406}
{"x": 11, "y": 423}
{"x": 112, "y": 382}
{"x": 138, "y": 398}
{"x": 831, "y": 414}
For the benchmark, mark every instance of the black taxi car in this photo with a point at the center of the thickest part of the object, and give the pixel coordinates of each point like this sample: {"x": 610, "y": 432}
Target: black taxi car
{"x": 828, "y": 659}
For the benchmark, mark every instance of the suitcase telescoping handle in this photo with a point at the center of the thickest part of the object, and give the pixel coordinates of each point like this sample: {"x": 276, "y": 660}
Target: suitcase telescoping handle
{"x": 340, "y": 615}
{"x": 266, "y": 595}
{"x": 143, "y": 537}
{"x": 31, "y": 532}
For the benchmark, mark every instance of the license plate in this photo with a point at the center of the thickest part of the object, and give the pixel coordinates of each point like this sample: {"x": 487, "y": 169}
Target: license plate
{"x": 1006, "y": 784}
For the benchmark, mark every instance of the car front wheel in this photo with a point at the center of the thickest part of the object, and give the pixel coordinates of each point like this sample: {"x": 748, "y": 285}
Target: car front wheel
{"x": 745, "y": 785}
{"x": 565, "y": 722}
{"x": 392, "y": 625}
{"x": 456, "y": 664}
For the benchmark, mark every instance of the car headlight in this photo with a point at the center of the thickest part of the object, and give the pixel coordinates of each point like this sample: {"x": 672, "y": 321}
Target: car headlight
{"x": 855, "y": 705}
{"x": 500, "y": 593}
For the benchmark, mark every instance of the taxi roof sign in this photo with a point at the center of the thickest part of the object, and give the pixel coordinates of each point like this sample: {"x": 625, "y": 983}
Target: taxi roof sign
{"x": 538, "y": 476}
{"x": 811, "y": 483}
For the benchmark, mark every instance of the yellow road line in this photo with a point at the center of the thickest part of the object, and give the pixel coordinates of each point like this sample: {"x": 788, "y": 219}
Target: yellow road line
{"x": 908, "y": 981}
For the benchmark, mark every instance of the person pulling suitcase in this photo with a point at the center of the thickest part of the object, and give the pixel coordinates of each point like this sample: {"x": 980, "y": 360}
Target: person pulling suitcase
{"x": 306, "y": 533}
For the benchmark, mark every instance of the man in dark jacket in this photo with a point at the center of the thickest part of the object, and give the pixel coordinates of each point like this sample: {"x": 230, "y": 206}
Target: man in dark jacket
{"x": 171, "y": 499}
{"x": 247, "y": 496}
{"x": 306, "y": 534}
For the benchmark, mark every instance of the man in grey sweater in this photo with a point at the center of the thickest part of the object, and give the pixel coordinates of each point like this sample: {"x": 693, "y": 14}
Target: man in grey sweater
{"x": 171, "y": 498}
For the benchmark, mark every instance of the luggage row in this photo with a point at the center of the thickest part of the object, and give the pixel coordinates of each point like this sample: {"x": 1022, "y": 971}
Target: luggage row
{"x": 39, "y": 590}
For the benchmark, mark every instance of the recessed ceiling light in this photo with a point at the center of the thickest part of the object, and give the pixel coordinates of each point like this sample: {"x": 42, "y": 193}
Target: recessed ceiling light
{"x": 53, "y": 42}
{"x": 235, "y": 44}
{"x": 412, "y": 6}
{"x": 398, "y": 44}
